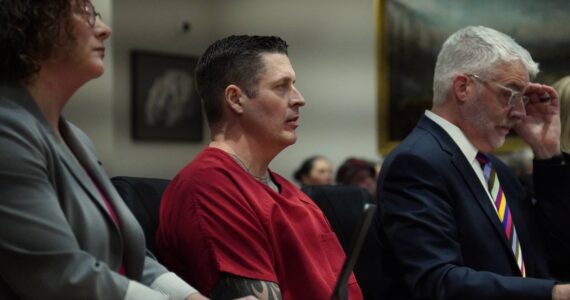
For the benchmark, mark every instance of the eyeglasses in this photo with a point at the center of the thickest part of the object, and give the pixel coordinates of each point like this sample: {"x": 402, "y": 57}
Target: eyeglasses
{"x": 513, "y": 97}
{"x": 89, "y": 11}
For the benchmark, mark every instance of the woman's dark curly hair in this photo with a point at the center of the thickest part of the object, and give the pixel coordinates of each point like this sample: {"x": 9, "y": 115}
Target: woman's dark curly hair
{"x": 30, "y": 31}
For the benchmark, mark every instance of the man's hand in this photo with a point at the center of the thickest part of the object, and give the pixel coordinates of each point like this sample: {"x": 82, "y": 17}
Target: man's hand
{"x": 561, "y": 292}
{"x": 541, "y": 126}
{"x": 196, "y": 296}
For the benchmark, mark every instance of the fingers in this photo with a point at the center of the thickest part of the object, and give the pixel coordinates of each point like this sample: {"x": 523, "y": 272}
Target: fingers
{"x": 544, "y": 97}
{"x": 540, "y": 93}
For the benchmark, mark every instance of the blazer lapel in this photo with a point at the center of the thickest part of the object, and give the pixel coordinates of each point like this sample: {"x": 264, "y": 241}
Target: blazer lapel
{"x": 80, "y": 161}
{"x": 17, "y": 91}
{"x": 76, "y": 167}
{"x": 475, "y": 189}
{"x": 132, "y": 236}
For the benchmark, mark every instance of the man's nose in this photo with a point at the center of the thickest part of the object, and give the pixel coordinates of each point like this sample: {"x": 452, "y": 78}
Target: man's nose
{"x": 518, "y": 111}
{"x": 298, "y": 99}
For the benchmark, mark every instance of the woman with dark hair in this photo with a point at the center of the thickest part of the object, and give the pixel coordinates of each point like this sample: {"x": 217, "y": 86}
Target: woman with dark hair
{"x": 315, "y": 170}
{"x": 64, "y": 231}
{"x": 358, "y": 172}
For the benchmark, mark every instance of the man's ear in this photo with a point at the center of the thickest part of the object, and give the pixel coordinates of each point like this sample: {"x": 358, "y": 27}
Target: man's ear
{"x": 234, "y": 97}
{"x": 461, "y": 89}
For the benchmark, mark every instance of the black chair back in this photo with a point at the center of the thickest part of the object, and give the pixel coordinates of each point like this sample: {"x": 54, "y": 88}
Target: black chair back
{"x": 342, "y": 205}
{"x": 142, "y": 196}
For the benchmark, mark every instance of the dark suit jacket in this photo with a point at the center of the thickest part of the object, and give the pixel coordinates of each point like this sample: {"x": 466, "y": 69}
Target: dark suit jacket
{"x": 443, "y": 234}
{"x": 57, "y": 238}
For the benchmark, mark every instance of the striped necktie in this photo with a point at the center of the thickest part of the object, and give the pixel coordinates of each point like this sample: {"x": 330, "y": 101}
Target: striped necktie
{"x": 503, "y": 210}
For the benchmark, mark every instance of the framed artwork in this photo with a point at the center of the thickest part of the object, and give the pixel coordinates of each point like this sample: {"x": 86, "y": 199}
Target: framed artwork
{"x": 410, "y": 34}
{"x": 165, "y": 104}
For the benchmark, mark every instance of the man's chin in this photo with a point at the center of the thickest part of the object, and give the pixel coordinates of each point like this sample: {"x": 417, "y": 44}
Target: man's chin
{"x": 292, "y": 140}
{"x": 499, "y": 142}
{"x": 287, "y": 139}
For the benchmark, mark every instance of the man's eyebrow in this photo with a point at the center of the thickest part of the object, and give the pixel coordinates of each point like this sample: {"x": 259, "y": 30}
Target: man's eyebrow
{"x": 285, "y": 79}
{"x": 516, "y": 85}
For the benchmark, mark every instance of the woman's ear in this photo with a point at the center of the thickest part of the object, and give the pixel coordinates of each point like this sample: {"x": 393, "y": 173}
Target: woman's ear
{"x": 234, "y": 97}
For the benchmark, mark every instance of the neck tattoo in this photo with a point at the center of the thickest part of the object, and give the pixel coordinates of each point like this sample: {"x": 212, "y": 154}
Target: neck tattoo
{"x": 265, "y": 179}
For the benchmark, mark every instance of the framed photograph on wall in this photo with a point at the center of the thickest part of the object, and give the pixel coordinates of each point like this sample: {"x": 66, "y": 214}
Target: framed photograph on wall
{"x": 410, "y": 34}
{"x": 165, "y": 104}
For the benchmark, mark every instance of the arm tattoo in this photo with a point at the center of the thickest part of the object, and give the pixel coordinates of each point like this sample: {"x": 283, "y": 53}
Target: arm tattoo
{"x": 231, "y": 287}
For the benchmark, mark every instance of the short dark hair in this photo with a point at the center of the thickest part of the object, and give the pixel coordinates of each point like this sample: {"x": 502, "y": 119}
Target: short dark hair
{"x": 30, "y": 31}
{"x": 232, "y": 60}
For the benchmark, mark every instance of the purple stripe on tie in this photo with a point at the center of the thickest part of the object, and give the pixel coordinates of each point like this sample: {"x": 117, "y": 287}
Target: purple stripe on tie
{"x": 505, "y": 219}
{"x": 487, "y": 171}
{"x": 509, "y": 224}
{"x": 498, "y": 201}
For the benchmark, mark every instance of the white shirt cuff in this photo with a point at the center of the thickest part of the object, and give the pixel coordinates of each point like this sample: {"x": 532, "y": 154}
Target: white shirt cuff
{"x": 137, "y": 291}
{"x": 173, "y": 286}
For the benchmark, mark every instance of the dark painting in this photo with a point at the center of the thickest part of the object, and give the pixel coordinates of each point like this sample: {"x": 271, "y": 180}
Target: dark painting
{"x": 165, "y": 106}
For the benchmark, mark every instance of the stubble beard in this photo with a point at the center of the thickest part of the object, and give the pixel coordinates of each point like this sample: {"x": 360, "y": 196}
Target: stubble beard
{"x": 485, "y": 127}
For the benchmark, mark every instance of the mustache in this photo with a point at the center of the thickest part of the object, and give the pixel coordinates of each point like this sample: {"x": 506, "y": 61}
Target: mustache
{"x": 510, "y": 123}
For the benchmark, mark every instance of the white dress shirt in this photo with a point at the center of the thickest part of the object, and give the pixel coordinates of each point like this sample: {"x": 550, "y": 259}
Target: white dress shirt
{"x": 468, "y": 150}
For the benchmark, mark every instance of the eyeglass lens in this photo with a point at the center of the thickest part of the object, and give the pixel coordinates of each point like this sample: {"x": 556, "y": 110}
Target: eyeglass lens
{"x": 514, "y": 97}
{"x": 91, "y": 13}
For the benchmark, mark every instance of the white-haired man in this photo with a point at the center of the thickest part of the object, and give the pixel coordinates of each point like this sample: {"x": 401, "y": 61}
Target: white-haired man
{"x": 457, "y": 223}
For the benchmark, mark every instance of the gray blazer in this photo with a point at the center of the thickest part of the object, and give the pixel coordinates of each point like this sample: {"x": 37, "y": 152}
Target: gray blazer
{"x": 57, "y": 237}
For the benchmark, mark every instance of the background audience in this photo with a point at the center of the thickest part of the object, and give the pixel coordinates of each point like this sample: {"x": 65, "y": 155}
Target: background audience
{"x": 315, "y": 170}
{"x": 562, "y": 86}
{"x": 358, "y": 172}
{"x": 520, "y": 161}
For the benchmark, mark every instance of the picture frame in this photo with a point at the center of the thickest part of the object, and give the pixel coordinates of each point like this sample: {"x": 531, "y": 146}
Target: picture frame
{"x": 410, "y": 34}
{"x": 165, "y": 103}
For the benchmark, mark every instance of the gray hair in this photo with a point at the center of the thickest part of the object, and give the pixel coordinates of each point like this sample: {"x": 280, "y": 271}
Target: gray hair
{"x": 476, "y": 50}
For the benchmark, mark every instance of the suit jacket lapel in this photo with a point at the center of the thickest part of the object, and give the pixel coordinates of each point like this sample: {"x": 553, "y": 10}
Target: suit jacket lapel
{"x": 131, "y": 235}
{"x": 79, "y": 163}
{"x": 17, "y": 91}
{"x": 76, "y": 162}
{"x": 476, "y": 190}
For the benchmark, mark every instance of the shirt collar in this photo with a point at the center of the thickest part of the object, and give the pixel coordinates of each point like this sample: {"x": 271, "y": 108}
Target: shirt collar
{"x": 456, "y": 135}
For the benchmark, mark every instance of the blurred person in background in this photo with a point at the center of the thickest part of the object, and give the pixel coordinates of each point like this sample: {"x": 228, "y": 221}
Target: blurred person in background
{"x": 520, "y": 162}
{"x": 358, "y": 172}
{"x": 315, "y": 170}
{"x": 562, "y": 86}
